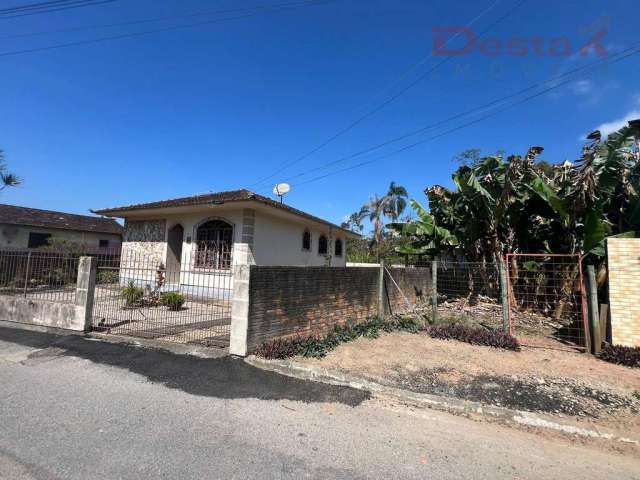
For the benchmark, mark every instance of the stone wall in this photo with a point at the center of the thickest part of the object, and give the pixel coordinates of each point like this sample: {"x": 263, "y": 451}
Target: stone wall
{"x": 287, "y": 301}
{"x": 143, "y": 247}
{"x": 623, "y": 259}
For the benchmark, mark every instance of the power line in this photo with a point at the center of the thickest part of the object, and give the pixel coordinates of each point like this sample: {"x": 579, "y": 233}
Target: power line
{"x": 391, "y": 99}
{"x": 151, "y": 20}
{"x": 457, "y": 116}
{"x": 460, "y": 127}
{"x": 164, "y": 29}
{"x": 46, "y": 7}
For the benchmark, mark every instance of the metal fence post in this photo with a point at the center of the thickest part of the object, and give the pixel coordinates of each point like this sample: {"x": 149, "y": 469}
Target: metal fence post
{"x": 381, "y": 290}
{"x": 594, "y": 316}
{"x": 434, "y": 289}
{"x": 26, "y": 274}
{"x": 504, "y": 298}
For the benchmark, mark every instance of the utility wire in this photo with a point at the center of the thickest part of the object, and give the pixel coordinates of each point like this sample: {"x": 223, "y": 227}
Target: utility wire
{"x": 457, "y": 116}
{"x": 159, "y": 30}
{"x": 391, "y": 99}
{"x": 34, "y": 9}
{"x": 151, "y": 20}
{"x": 460, "y": 127}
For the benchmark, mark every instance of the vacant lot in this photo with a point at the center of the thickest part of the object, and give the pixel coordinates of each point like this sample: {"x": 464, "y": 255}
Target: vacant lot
{"x": 561, "y": 383}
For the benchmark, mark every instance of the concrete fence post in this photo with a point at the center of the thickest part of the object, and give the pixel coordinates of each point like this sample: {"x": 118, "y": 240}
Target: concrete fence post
{"x": 504, "y": 298}
{"x": 240, "y": 310}
{"x": 381, "y": 290}
{"x": 592, "y": 310}
{"x": 85, "y": 288}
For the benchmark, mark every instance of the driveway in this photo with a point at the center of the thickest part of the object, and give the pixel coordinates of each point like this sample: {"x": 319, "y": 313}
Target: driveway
{"x": 74, "y": 408}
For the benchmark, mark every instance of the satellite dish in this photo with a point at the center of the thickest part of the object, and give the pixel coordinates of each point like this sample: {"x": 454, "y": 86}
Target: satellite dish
{"x": 281, "y": 189}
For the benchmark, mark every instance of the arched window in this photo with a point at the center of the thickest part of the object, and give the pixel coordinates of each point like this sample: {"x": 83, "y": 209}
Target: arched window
{"x": 306, "y": 240}
{"x": 322, "y": 245}
{"x": 214, "y": 241}
{"x": 338, "y": 247}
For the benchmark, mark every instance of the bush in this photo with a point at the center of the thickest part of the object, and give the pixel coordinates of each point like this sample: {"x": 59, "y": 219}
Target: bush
{"x": 107, "y": 276}
{"x": 628, "y": 356}
{"x": 319, "y": 346}
{"x": 172, "y": 300}
{"x": 473, "y": 335}
{"x": 131, "y": 294}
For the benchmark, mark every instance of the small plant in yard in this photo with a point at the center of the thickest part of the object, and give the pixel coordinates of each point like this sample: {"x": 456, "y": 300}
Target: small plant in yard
{"x": 131, "y": 294}
{"x": 319, "y": 346}
{"x": 172, "y": 300}
{"x": 473, "y": 335}
{"x": 628, "y": 356}
{"x": 107, "y": 276}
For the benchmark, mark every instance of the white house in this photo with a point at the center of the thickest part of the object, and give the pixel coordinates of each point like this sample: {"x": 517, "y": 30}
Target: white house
{"x": 205, "y": 235}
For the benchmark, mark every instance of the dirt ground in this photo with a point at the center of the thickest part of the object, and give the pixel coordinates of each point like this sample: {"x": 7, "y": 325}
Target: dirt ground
{"x": 568, "y": 385}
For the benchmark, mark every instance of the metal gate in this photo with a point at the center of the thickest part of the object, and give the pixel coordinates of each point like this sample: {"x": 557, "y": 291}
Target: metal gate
{"x": 546, "y": 297}
{"x": 137, "y": 295}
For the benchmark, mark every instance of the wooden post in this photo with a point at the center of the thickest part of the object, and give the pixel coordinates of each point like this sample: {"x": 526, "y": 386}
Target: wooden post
{"x": 26, "y": 274}
{"x": 381, "y": 290}
{"x": 504, "y": 299}
{"x": 594, "y": 316}
{"x": 604, "y": 313}
{"x": 434, "y": 289}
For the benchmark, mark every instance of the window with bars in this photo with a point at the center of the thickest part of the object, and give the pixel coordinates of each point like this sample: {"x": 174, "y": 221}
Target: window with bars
{"x": 214, "y": 242}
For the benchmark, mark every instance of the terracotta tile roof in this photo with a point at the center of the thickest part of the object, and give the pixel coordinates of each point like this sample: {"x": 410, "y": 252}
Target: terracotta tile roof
{"x": 34, "y": 217}
{"x": 242, "y": 195}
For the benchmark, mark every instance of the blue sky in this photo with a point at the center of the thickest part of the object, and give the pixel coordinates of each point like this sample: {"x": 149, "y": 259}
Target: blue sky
{"x": 222, "y": 105}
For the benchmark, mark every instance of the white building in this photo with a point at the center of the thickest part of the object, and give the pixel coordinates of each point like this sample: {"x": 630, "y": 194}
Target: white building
{"x": 208, "y": 234}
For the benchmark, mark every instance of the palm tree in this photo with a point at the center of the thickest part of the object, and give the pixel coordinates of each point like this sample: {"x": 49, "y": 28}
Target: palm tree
{"x": 6, "y": 179}
{"x": 396, "y": 201}
{"x": 375, "y": 210}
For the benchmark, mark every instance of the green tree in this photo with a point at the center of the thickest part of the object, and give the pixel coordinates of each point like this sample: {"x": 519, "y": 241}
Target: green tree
{"x": 395, "y": 201}
{"x": 7, "y": 179}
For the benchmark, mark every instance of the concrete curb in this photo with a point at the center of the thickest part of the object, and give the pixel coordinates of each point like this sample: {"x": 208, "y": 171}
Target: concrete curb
{"x": 446, "y": 404}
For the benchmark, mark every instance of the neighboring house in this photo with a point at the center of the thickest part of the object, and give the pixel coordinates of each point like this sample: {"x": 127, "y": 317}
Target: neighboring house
{"x": 214, "y": 231}
{"x": 22, "y": 227}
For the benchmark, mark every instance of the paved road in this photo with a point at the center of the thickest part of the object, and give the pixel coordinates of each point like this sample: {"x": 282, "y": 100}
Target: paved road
{"x": 73, "y": 408}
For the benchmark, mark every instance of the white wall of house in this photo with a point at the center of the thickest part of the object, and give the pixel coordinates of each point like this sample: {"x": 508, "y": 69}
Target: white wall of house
{"x": 278, "y": 241}
{"x": 17, "y": 236}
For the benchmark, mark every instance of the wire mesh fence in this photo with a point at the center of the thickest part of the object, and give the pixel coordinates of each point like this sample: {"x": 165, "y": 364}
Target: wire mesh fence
{"x": 540, "y": 299}
{"x": 546, "y": 297}
{"x": 137, "y": 295}
{"x": 39, "y": 275}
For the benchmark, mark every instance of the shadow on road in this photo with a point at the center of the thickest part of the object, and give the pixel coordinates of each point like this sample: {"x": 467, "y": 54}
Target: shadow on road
{"x": 226, "y": 377}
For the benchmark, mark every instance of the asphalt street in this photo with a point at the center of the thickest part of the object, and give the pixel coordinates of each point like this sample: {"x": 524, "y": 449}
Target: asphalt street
{"x": 76, "y": 408}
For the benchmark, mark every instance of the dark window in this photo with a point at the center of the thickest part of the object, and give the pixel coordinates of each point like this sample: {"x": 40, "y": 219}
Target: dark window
{"x": 103, "y": 243}
{"x": 306, "y": 240}
{"x": 322, "y": 245}
{"x": 38, "y": 239}
{"x": 214, "y": 240}
{"x": 338, "y": 247}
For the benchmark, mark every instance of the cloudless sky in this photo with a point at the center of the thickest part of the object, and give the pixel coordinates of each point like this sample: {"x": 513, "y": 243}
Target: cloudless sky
{"x": 222, "y": 105}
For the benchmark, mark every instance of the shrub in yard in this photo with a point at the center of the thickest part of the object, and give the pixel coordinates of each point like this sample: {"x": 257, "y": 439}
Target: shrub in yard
{"x": 107, "y": 276}
{"x": 628, "y": 356}
{"x": 131, "y": 294}
{"x": 172, "y": 300}
{"x": 319, "y": 346}
{"x": 473, "y": 335}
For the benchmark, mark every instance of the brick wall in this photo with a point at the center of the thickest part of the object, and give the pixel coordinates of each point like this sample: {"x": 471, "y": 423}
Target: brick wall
{"x": 286, "y": 301}
{"x": 624, "y": 290}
